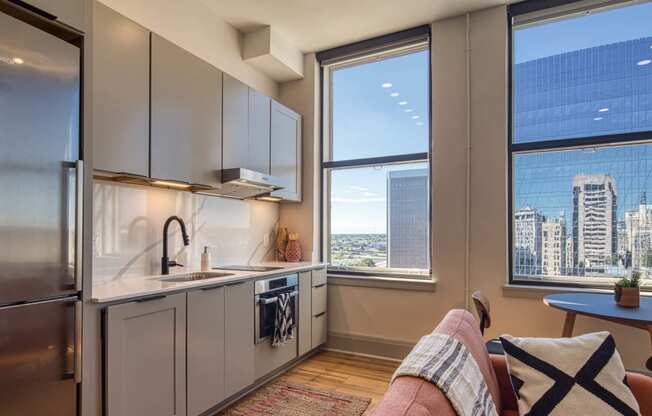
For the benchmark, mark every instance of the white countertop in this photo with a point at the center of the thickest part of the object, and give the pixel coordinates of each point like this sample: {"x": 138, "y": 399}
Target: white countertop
{"x": 140, "y": 287}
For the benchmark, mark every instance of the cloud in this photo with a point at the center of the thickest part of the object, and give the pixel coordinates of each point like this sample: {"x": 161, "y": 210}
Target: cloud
{"x": 358, "y": 188}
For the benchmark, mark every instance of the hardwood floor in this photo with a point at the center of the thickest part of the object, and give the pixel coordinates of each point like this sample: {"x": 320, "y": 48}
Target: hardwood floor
{"x": 344, "y": 373}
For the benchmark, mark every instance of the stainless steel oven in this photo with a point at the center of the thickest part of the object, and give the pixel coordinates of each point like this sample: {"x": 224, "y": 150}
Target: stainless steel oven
{"x": 266, "y": 301}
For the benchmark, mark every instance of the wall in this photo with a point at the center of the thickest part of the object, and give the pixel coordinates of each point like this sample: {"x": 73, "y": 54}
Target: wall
{"x": 193, "y": 26}
{"x": 303, "y": 218}
{"x": 469, "y": 108}
{"x": 128, "y": 230}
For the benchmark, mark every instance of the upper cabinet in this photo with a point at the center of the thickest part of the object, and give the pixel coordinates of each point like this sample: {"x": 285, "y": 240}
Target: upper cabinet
{"x": 186, "y": 123}
{"x": 120, "y": 103}
{"x": 259, "y": 131}
{"x": 70, "y": 12}
{"x": 236, "y": 123}
{"x": 285, "y": 160}
{"x": 246, "y": 127}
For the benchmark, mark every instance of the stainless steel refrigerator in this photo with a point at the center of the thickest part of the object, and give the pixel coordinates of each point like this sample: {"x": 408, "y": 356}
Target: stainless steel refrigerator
{"x": 40, "y": 222}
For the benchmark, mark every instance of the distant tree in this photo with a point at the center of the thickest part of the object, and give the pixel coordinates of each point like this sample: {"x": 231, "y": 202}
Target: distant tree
{"x": 614, "y": 260}
{"x": 366, "y": 262}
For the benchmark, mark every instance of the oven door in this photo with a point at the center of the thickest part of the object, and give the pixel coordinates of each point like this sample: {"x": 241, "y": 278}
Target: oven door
{"x": 266, "y": 305}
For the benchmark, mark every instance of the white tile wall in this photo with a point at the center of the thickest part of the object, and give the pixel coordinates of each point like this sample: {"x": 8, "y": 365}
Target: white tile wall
{"x": 128, "y": 229}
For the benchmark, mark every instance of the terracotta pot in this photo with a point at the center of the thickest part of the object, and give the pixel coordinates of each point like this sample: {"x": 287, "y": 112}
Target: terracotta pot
{"x": 627, "y": 297}
{"x": 293, "y": 251}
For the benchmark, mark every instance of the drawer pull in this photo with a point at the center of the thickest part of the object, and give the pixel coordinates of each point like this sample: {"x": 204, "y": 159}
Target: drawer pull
{"x": 319, "y": 315}
{"x": 151, "y": 298}
{"x": 318, "y": 286}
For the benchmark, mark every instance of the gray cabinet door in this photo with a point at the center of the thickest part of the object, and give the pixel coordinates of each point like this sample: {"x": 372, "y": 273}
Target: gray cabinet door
{"x": 259, "y": 131}
{"x": 239, "y": 354}
{"x": 70, "y": 12}
{"x": 120, "y": 93}
{"x": 145, "y": 346}
{"x": 236, "y": 123}
{"x": 305, "y": 312}
{"x": 205, "y": 349}
{"x": 286, "y": 151}
{"x": 186, "y": 108}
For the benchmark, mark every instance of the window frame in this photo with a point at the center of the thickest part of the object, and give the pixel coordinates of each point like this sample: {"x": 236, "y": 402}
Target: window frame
{"x": 359, "y": 53}
{"x": 553, "y": 10}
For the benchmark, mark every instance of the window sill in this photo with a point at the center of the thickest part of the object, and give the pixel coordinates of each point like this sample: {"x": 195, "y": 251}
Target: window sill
{"x": 395, "y": 283}
{"x": 538, "y": 292}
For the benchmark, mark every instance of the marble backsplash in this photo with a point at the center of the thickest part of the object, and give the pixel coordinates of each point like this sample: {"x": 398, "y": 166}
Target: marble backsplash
{"x": 128, "y": 229}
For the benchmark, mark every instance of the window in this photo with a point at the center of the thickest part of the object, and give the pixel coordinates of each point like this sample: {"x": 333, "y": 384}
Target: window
{"x": 581, "y": 142}
{"x": 376, "y": 180}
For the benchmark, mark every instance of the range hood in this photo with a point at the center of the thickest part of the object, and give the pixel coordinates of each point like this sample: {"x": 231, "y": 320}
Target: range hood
{"x": 244, "y": 183}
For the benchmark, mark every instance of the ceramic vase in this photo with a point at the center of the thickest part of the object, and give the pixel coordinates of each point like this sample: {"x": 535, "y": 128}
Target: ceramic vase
{"x": 293, "y": 249}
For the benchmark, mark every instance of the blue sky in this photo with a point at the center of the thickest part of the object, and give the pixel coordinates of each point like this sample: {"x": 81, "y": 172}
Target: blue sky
{"x": 371, "y": 120}
{"x": 544, "y": 181}
{"x": 368, "y": 121}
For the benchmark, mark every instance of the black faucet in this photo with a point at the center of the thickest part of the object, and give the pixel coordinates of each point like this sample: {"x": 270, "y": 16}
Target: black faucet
{"x": 165, "y": 261}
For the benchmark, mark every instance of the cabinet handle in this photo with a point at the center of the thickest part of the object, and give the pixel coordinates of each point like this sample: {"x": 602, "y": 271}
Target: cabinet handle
{"x": 151, "y": 298}
{"x": 208, "y": 289}
{"x": 319, "y": 315}
{"x": 318, "y": 286}
{"x": 236, "y": 284}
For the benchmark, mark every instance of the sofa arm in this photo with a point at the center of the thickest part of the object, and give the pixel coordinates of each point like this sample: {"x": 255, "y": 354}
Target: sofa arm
{"x": 507, "y": 396}
{"x": 640, "y": 384}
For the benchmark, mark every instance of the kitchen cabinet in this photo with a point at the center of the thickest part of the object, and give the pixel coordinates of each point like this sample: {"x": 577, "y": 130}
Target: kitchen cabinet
{"x": 259, "y": 131}
{"x": 120, "y": 107}
{"x": 146, "y": 357}
{"x": 285, "y": 158}
{"x": 305, "y": 312}
{"x": 319, "y": 307}
{"x": 239, "y": 334}
{"x": 186, "y": 122}
{"x": 205, "y": 343}
{"x": 70, "y": 12}
{"x": 246, "y": 140}
{"x": 236, "y": 123}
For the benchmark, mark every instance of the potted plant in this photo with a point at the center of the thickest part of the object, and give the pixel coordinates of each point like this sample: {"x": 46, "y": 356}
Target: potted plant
{"x": 628, "y": 292}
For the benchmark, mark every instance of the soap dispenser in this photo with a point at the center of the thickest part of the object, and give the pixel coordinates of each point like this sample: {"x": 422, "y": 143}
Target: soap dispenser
{"x": 206, "y": 259}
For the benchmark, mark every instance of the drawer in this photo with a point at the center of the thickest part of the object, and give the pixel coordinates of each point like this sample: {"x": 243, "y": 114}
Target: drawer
{"x": 319, "y": 299}
{"x": 318, "y": 277}
{"x": 319, "y": 329}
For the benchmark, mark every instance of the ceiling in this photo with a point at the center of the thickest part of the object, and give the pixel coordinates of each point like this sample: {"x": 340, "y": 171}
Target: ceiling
{"x": 314, "y": 25}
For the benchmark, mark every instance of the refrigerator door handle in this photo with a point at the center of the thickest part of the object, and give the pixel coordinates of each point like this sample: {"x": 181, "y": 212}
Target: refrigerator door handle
{"x": 79, "y": 218}
{"x": 78, "y": 342}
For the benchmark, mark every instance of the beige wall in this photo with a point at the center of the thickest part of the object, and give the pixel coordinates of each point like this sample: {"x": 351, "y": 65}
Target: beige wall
{"x": 469, "y": 102}
{"x": 303, "y": 218}
{"x": 193, "y": 26}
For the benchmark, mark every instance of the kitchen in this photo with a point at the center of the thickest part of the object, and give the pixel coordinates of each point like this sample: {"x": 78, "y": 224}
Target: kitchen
{"x": 164, "y": 191}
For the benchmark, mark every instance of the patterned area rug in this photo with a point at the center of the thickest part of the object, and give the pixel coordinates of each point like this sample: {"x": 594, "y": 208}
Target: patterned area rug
{"x": 287, "y": 399}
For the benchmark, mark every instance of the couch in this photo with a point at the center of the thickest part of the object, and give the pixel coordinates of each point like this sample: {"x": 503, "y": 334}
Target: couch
{"x": 411, "y": 396}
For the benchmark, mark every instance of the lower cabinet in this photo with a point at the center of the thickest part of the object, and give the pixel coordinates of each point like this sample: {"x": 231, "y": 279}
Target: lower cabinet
{"x": 305, "y": 312}
{"x": 146, "y": 357}
{"x": 206, "y": 343}
{"x": 319, "y": 307}
{"x": 239, "y": 331}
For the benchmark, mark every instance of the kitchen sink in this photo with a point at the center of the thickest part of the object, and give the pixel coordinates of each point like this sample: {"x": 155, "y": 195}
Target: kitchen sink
{"x": 191, "y": 277}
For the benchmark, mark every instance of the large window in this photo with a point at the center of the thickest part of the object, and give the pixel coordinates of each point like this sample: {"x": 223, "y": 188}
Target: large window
{"x": 581, "y": 142}
{"x": 376, "y": 180}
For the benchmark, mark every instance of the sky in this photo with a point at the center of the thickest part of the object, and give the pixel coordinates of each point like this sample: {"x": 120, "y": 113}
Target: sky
{"x": 371, "y": 120}
{"x": 544, "y": 180}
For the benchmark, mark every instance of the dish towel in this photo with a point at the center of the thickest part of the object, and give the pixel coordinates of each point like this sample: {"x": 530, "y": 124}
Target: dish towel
{"x": 445, "y": 362}
{"x": 284, "y": 321}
